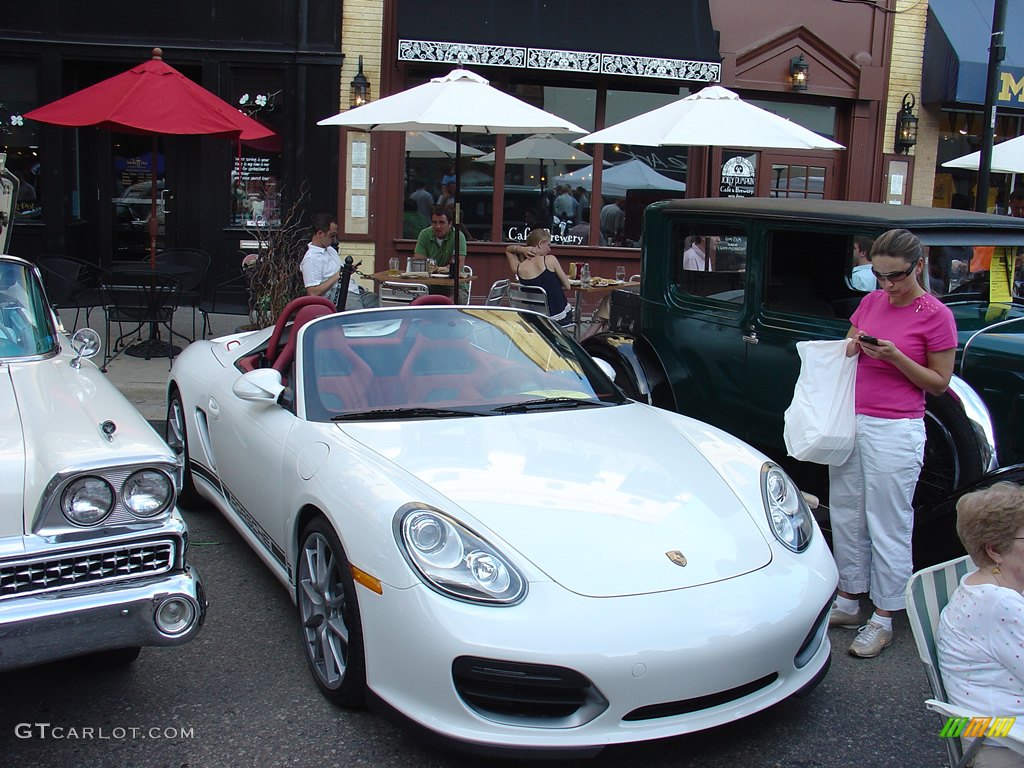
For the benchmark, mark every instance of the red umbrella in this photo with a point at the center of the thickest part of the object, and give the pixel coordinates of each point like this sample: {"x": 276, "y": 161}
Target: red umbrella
{"x": 151, "y": 98}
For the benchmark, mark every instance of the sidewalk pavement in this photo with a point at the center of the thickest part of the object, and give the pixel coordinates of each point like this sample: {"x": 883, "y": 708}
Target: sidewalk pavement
{"x": 144, "y": 382}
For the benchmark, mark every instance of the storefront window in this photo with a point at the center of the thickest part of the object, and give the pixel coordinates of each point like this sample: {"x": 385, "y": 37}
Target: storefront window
{"x": 256, "y": 175}
{"x": 19, "y": 138}
{"x": 133, "y": 187}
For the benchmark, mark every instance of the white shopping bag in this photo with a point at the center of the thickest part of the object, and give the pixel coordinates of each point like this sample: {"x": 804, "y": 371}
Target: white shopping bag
{"x": 820, "y": 422}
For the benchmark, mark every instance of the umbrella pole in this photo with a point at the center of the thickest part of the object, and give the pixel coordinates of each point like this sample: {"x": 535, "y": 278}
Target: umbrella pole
{"x": 454, "y": 260}
{"x": 153, "y": 223}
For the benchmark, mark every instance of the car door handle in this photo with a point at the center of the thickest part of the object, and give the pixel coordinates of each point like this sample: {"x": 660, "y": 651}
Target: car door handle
{"x": 750, "y": 337}
{"x": 213, "y": 408}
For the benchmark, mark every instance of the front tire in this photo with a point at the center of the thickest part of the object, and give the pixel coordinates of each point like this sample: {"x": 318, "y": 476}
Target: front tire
{"x": 328, "y": 613}
{"x": 176, "y": 435}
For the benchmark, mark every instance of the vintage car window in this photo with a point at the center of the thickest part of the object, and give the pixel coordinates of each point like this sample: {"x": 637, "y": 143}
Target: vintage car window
{"x": 471, "y": 358}
{"x": 808, "y": 273}
{"x": 26, "y": 326}
{"x": 711, "y": 262}
{"x": 979, "y": 272}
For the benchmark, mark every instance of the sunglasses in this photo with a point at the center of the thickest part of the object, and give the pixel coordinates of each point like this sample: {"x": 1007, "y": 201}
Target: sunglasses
{"x": 895, "y": 277}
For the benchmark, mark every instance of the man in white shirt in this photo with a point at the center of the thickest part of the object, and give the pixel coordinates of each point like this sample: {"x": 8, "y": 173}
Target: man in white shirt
{"x": 861, "y": 277}
{"x": 321, "y": 267}
{"x": 694, "y": 257}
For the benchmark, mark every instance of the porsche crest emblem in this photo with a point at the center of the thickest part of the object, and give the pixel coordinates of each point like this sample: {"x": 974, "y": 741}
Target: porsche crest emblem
{"x": 677, "y": 557}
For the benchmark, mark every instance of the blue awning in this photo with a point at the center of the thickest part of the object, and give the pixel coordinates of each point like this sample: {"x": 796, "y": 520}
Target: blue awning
{"x": 957, "y": 40}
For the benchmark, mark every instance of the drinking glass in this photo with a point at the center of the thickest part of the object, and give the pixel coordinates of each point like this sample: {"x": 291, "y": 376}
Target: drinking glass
{"x": 431, "y": 266}
{"x": 393, "y": 265}
{"x": 620, "y": 274}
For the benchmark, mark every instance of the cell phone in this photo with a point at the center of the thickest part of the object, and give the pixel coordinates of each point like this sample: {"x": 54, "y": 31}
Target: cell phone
{"x": 865, "y": 339}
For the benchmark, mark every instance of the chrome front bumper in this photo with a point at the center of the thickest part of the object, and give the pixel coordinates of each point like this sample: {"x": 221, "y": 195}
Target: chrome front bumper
{"x": 36, "y": 629}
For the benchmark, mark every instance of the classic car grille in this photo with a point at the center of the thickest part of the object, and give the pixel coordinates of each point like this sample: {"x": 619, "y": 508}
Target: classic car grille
{"x": 85, "y": 567}
{"x": 505, "y": 690}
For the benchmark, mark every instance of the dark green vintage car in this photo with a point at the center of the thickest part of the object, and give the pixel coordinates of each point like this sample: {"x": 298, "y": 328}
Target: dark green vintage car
{"x": 719, "y": 343}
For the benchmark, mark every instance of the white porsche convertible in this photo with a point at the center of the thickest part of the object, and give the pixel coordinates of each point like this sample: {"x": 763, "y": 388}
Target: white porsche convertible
{"x": 487, "y": 541}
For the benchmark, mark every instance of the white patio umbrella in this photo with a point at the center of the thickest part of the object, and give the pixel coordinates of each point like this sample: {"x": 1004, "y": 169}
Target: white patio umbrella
{"x": 1007, "y": 157}
{"x": 632, "y": 174}
{"x": 539, "y": 148}
{"x": 459, "y": 101}
{"x": 712, "y": 117}
{"x": 427, "y": 144}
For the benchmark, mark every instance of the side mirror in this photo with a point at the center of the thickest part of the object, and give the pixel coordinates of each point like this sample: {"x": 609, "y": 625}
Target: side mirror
{"x": 605, "y": 367}
{"x": 86, "y": 344}
{"x": 259, "y": 386}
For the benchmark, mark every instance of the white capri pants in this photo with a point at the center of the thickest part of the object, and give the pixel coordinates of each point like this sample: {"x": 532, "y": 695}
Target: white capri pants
{"x": 871, "y": 508}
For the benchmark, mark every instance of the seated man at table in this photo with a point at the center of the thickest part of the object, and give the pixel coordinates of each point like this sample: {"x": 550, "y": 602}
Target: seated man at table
{"x": 438, "y": 242}
{"x": 321, "y": 267}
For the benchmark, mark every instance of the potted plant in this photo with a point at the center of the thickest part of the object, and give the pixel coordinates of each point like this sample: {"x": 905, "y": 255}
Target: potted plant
{"x": 272, "y": 273}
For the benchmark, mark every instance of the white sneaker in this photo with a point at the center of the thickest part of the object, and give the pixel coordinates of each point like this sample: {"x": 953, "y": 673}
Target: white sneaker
{"x": 870, "y": 640}
{"x": 839, "y": 618}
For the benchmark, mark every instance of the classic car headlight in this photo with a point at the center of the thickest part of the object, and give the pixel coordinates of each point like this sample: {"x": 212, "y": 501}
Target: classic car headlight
{"x": 147, "y": 493}
{"x": 87, "y": 500}
{"x": 787, "y": 511}
{"x": 456, "y": 562}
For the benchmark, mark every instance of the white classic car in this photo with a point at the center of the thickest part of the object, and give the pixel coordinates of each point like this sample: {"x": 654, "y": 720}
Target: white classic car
{"x": 487, "y": 541}
{"x": 92, "y": 547}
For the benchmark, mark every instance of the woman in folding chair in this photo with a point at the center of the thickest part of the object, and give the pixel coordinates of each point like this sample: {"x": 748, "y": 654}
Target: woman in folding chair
{"x": 534, "y": 264}
{"x": 981, "y": 631}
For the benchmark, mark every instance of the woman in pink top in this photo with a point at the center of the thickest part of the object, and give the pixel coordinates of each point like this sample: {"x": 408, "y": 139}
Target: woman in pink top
{"x": 906, "y": 341}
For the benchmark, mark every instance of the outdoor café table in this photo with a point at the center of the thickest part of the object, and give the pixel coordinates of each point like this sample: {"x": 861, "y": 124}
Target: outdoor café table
{"x": 601, "y": 287}
{"x": 438, "y": 279}
{"x": 153, "y": 346}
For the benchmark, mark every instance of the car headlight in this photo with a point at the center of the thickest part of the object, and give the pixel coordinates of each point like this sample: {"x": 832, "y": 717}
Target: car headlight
{"x": 147, "y": 493}
{"x": 87, "y": 500}
{"x": 787, "y": 511}
{"x": 455, "y": 561}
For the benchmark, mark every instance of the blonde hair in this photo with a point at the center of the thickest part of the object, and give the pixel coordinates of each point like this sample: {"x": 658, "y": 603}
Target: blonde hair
{"x": 990, "y": 517}
{"x": 537, "y": 236}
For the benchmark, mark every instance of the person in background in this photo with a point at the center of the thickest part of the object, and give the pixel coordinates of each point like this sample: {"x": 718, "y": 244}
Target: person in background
{"x": 565, "y": 204}
{"x": 861, "y": 278}
{"x": 905, "y": 340}
{"x": 412, "y": 221}
{"x": 438, "y": 242}
{"x": 582, "y": 230}
{"x": 694, "y": 257}
{"x": 613, "y": 220}
{"x": 424, "y": 200}
{"x": 447, "y": 197}
{"x": 321, "y": 267}
{"x": 582, "y": 201}
{"x": 979, "y": 640}
{"x": 534, "y": 264}
{"x": 1016, "y": 207}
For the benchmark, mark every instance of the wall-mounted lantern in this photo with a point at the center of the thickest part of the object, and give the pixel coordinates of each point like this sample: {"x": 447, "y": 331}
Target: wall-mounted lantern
{"x": 798, "y": 71}
{"x": 906, "y": 126}
{"x": 360, "y": 88}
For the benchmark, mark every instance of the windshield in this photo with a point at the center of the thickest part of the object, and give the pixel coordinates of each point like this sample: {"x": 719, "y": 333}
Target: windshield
{"x": 26, "y": 326}
{"x": 430, "y": 362}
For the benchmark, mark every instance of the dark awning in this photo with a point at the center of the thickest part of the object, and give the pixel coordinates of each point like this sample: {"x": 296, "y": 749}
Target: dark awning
{"x": 958, "y": 36}
{"x": 670, "y": 39}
